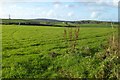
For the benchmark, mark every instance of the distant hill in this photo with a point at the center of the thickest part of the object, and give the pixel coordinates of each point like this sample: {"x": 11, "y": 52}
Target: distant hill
{"x": 51, "y": 22}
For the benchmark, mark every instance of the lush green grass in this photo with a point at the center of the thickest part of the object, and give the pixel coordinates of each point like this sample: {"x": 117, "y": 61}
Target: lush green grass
{"x": 27, "y": 52}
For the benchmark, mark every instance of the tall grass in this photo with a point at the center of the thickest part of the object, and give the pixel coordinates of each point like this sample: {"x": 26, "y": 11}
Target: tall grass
{"x": 109, "y": 67}
{"x": 71, "y": 36}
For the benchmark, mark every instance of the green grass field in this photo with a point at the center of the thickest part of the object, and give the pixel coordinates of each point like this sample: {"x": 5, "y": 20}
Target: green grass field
{"x": 27, "y": 52}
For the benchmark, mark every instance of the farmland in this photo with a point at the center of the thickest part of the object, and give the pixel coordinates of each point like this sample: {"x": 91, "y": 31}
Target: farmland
{"x": 41, "y": 51}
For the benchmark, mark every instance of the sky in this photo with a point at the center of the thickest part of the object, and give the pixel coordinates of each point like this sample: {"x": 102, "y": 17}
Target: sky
{"x": 70, "y": 10}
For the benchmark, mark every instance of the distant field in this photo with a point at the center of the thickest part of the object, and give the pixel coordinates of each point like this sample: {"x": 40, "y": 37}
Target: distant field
{"x": 27, "y": 52}
{"x": 57, "y": 23}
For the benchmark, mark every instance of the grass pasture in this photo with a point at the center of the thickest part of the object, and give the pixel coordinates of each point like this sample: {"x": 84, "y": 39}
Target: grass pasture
{"x": 40, "y": 51}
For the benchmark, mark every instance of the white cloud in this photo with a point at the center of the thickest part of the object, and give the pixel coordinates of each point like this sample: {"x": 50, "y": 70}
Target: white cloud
{"x": 100, "y": 8}
{"x": 37, "y": 0}
{"x": 95, "y": 15}
{"x": 66, "y": 5}
{"x": 113, "y": 3}
{"x": 108, "y": 2}
{"x": 69, "y": 6}
{"x": 70, "y": 14}
{"x": 13, "y": 6}
{"x": 59, "y": 1}
{"x": 50, "y": 14}
{"x": 57, "y": 4}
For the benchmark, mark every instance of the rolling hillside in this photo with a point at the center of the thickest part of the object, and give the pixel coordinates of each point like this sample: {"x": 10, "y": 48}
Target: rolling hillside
{"x": 53, "y": 22}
